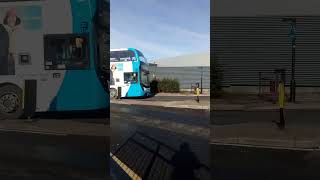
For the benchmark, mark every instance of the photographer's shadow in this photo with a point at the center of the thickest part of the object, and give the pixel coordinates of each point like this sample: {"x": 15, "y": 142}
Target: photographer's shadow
{"x": 185, "y": 163}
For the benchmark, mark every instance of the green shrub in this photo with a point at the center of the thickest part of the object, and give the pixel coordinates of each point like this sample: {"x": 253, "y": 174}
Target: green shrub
{"x": 169, "y": 85}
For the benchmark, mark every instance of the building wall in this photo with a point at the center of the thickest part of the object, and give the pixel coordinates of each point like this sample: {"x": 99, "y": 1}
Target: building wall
{"x": 185, "y": 75}
{"x": 245, "y": 46}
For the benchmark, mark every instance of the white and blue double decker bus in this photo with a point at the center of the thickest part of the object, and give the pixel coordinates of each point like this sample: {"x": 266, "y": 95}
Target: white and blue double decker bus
{"x": 129, "y": 73}
{"x": 53, "y": 56}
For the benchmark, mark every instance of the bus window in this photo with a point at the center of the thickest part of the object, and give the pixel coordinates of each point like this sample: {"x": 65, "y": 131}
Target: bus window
{"x": 66, "y": 53}
{"x": 145, "y": 78}
{"x": 119, "y": 56}
{"x": 130, "y": 78}
{"x": 141, "y": 57}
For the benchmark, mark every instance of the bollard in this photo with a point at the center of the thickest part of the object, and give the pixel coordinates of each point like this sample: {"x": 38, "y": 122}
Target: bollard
{"x": 119, "y": 93}
{"x": 281, "y": 96}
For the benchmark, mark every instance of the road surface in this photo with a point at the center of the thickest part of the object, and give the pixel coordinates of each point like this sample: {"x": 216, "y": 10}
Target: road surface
{"x": 31, "y": 154}
{"x": 251, "y": 163}
{"x": 133, "y": 149}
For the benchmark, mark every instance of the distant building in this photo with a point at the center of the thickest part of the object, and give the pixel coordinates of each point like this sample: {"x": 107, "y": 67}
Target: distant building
{"x": 187, "y": 69}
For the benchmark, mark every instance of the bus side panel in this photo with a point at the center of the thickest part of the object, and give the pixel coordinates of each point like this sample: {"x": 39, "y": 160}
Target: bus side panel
{"x": 27, "y": 40}
{"x": 81, "y": 90}
{"x": 53, "y": 23}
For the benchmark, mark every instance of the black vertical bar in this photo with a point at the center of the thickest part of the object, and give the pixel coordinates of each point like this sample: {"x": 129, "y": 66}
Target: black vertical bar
{"x": 30, "y": 98}
{"x": 148, "y": 170}
{"x": 201, "y": 78}
{"x": 259, "y": 83}
{"x": 119, "y": 92}
{"x": 293, "y": 70}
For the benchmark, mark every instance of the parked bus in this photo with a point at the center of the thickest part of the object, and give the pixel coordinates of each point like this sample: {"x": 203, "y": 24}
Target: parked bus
{"x": 129, "y": 73}
{"x": 53, "y": 56}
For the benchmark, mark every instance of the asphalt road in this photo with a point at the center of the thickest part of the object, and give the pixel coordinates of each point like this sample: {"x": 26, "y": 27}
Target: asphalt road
{"x": 37, "y": 155}
{"x": 186, "y": 116}
{"x": 40, "y": 156}
{"x": 136, "y": 149}
{"x": 251, "y": 163}
{"x": 299, "y": 117}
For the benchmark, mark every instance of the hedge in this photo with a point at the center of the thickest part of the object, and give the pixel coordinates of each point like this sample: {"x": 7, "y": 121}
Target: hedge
{"x": 169, "y": 85}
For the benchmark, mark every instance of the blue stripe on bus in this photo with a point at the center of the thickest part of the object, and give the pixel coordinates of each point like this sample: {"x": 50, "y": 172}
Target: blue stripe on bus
{"x": 135, "y": 90}
{"x": 81, "y": 89}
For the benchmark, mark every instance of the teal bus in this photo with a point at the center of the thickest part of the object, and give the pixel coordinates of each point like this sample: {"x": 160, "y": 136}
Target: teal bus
{"x": 130, "y": 74}
{"x": 53, "y": 56}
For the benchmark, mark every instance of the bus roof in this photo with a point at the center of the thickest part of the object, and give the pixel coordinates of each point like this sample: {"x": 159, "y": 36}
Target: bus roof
{"x": 120, "y": 49}
{"x": 123, "y": 49}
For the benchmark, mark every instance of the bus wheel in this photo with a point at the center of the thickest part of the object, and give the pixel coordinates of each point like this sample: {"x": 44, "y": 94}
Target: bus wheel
{"x": 113, "y": 93}
{"x": 10, "y": 102}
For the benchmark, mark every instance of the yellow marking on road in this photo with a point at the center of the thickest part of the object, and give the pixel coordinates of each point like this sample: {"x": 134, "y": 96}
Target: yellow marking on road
{"x": 125, "y": 168}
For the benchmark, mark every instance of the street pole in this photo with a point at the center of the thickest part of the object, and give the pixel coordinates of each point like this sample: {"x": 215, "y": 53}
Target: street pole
{"x": 292, "y": 35}
{"x": 201, "y": 79}
{"x": 293, "y": 83}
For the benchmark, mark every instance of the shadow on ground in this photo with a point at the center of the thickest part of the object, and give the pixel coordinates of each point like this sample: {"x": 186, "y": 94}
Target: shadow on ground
{"x": 152, "y": 159}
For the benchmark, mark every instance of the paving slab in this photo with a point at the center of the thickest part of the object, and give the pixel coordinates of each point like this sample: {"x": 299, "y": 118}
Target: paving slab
{"x": 266, "y": 134}
{"x": 185, "y": 104}
{"x": 56, "y": 127}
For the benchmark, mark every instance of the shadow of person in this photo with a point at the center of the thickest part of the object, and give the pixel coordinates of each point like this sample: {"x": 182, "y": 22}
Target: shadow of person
{"x": 184, "y": 162}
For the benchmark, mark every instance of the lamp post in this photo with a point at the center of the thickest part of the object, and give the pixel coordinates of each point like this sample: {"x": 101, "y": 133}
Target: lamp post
{"x": 201, "y": 77}
{"x": 292, "y": 35}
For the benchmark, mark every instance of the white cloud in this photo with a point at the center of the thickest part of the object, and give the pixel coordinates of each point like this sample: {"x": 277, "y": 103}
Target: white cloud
{"x": 184, "y": 33}
{"x": 122, "y": 40}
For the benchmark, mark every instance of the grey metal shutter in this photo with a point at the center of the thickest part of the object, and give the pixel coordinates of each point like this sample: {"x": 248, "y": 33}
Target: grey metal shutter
{"x": 245, "y": 46}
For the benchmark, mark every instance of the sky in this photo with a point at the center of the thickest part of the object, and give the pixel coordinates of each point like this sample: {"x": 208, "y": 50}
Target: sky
{"x": 161, "y": 28}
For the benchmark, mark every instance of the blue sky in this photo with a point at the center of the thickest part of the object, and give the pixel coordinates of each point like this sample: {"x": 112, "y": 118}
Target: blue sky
{"x": 161, "y": 28}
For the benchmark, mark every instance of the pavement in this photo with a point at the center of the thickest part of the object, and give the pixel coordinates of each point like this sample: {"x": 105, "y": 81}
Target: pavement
{"x": 55, "y": 127}
{"x": 170, "y": 100}
{"x": 252, "y": 102}
{"x": 267, "y": 135}
{"x": 247, "y": 145}
{"x": 256, "y": 128}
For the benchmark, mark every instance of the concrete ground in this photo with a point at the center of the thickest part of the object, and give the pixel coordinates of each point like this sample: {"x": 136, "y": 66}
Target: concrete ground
{"x": 256, "y": 128}
{"x": 247, "y": 145}
{"x": 252, "y": 102}
{"x": 169, "y": 100}
{"x": 55, "y": 127}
